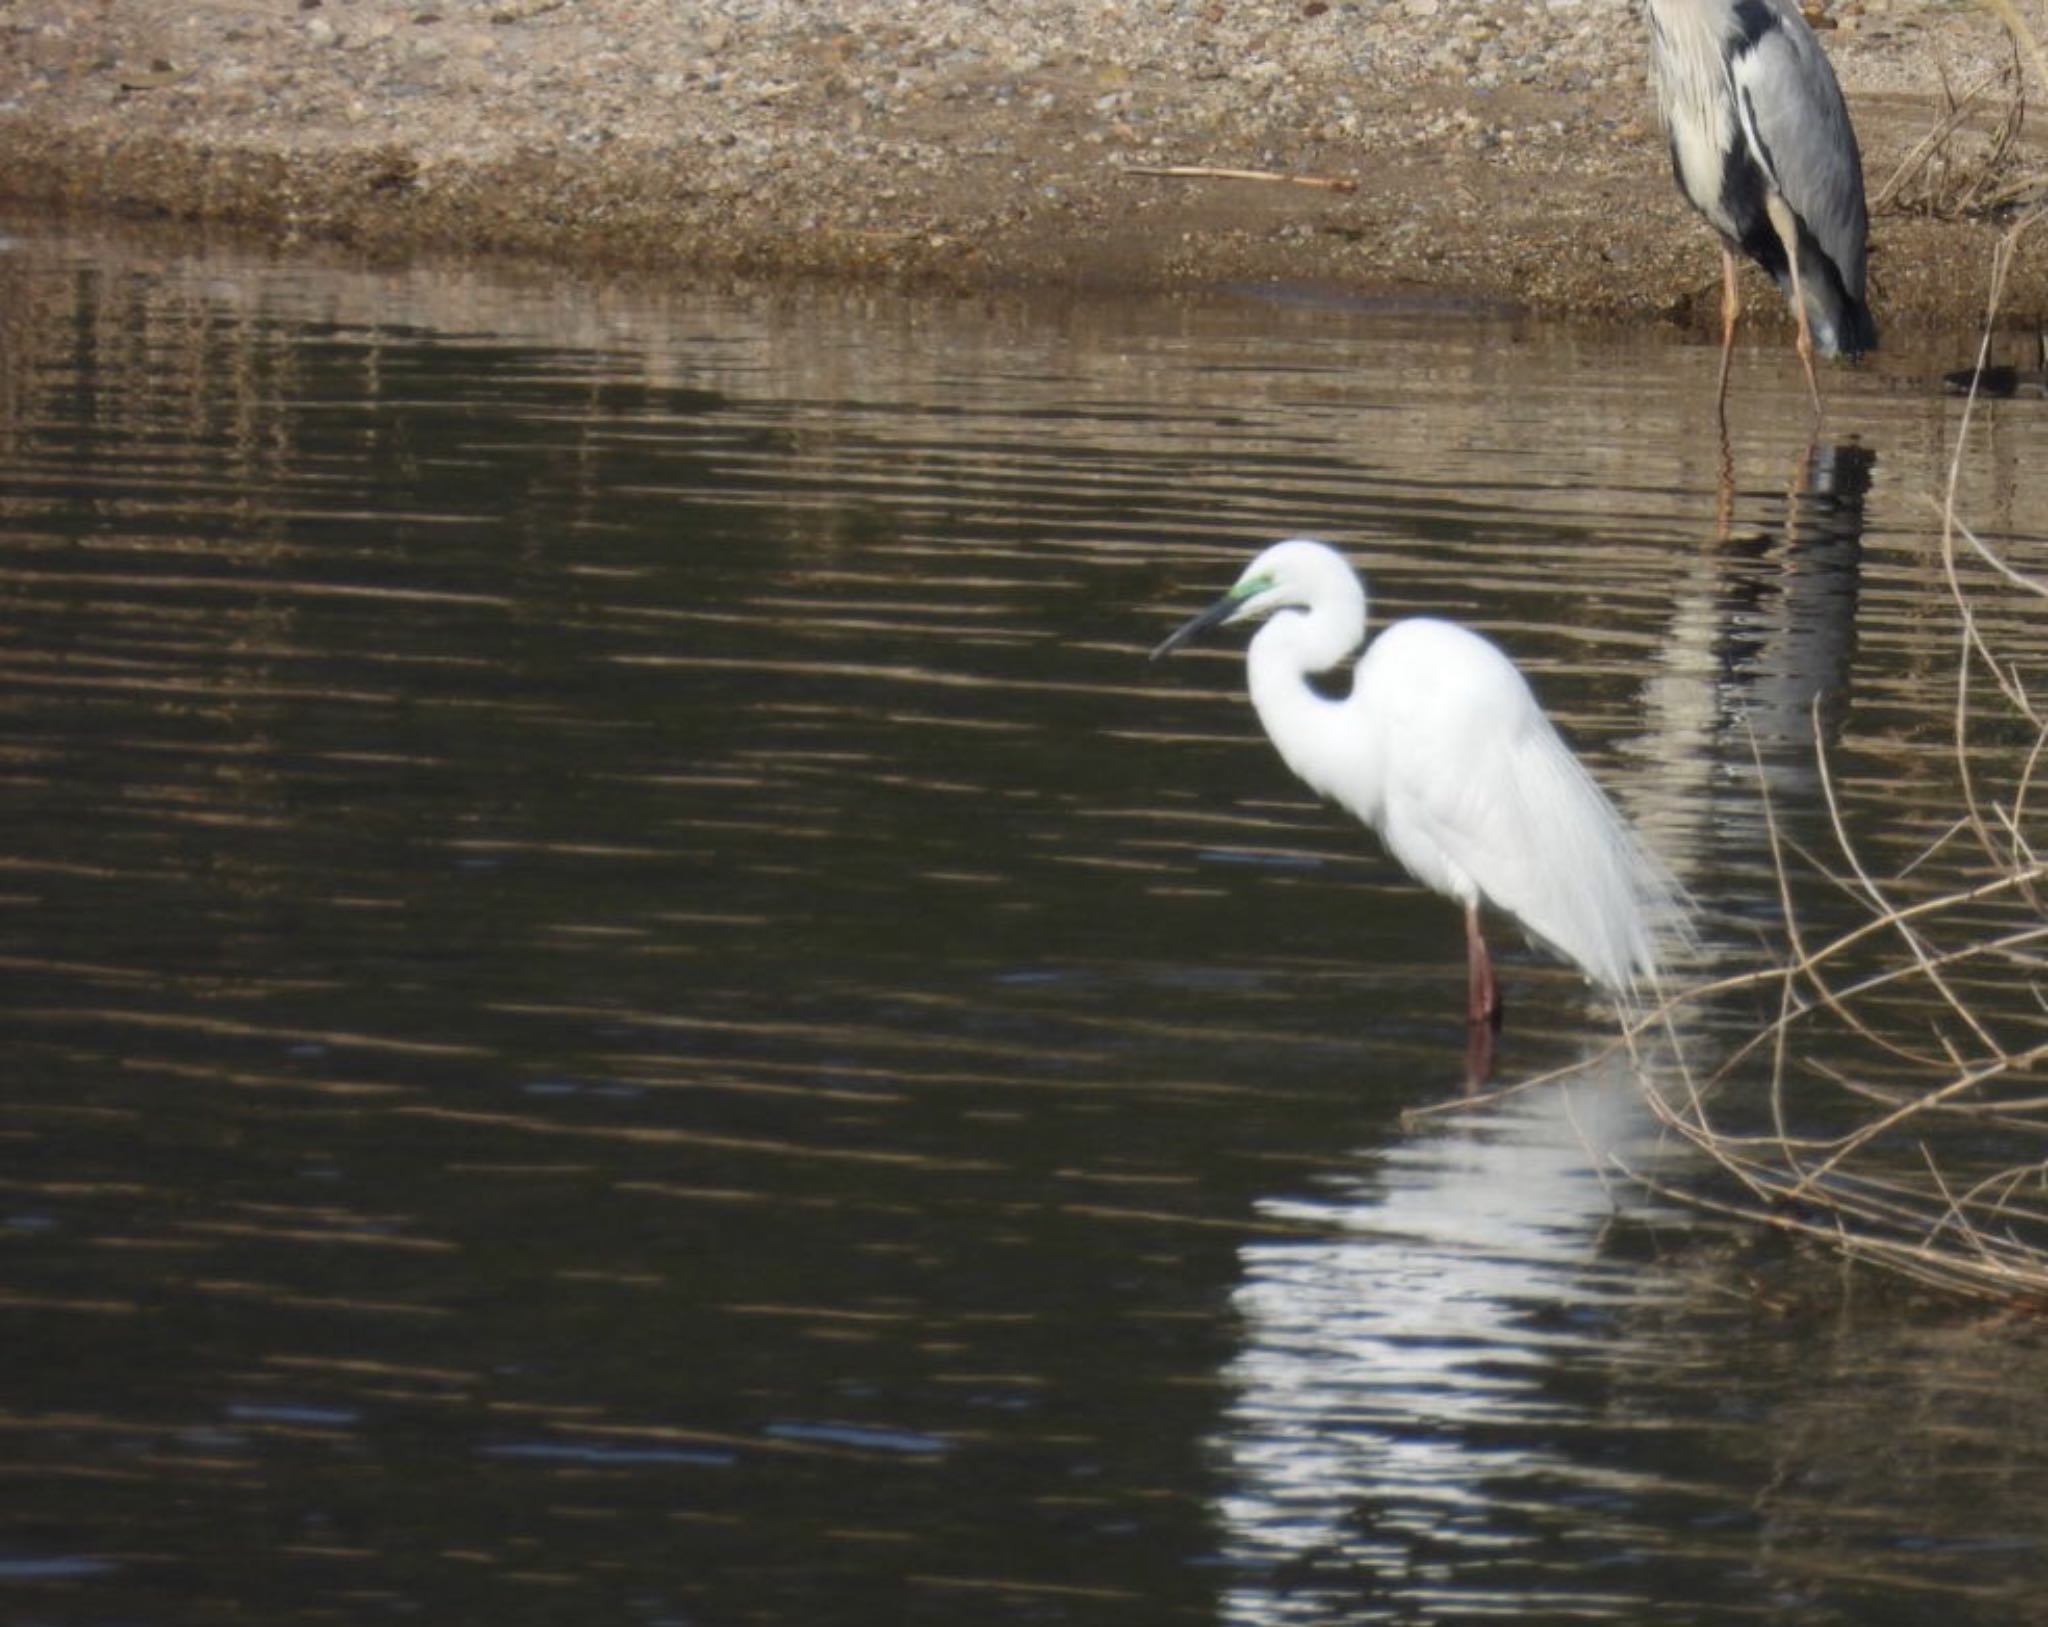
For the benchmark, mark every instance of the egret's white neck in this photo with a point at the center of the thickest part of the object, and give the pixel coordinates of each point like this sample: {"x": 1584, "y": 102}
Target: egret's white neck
{"x": 1305, "y": 725}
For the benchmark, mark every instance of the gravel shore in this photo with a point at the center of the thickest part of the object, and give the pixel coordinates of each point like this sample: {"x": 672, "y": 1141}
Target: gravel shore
{"x": 1504, "y": 152}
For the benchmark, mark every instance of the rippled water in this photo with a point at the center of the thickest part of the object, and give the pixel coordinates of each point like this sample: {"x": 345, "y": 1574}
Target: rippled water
{"x": 627, "y": 1000}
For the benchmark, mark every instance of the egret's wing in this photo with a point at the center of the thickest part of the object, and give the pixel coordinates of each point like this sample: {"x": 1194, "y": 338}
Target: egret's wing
{"x": 1478, "y": 785}
{"x": 1792, "y": 115}
{"x": 1595, "y": 892}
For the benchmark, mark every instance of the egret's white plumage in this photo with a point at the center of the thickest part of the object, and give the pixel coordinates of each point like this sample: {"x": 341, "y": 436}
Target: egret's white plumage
{"x": 1441, "y": 748}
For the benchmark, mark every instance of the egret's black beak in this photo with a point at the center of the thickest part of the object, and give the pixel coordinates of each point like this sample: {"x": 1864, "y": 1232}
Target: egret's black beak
{"x": 1221, "y": 611}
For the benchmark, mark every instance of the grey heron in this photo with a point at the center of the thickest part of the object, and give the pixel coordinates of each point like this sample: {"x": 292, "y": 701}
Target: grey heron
{"x": 1762, "y": 147}
{"x": 1441, "y": 748}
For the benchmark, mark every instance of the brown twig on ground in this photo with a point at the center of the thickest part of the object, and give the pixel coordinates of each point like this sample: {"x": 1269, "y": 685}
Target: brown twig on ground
{"x": 1957, "y": 170}
{"x": 1931, "y": 150}
{"x": 1211, "y": 172}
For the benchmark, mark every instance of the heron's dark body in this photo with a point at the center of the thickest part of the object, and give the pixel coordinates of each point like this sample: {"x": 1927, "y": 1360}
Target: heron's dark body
{"x": 1751, "y": 108}
{"x": 1742, "y": 201}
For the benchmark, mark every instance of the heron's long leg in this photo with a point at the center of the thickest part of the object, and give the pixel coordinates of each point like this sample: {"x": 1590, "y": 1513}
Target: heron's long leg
{"x": 1482, "y": 996}
{"x": 1724, "y": 486}
{"x": 1731, "y": 307}
{"x": 1787, "y": 228}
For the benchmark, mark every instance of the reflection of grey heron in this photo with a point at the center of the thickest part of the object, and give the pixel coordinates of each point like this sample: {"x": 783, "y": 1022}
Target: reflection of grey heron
{"x": 1442, "y": 750}
{"x": 1788, "y": 616}
{"x": 1757, "y": 667}
{"x": 1762, "y": 147}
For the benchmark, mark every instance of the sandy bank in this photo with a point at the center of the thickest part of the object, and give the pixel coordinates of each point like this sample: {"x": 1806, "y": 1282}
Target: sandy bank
{"x": 1503, "y": 150}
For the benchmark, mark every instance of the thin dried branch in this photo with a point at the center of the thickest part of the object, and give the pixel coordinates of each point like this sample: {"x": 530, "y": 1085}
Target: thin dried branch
{"x": 1216, "y": 172}
{"x": 2022, "y": 36}
{"x": 1917, "y": 1139}
{"x": 1935, "y": 178}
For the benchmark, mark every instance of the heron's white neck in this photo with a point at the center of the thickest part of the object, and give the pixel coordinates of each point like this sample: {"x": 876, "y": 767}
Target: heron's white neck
{"x": 1305, "y": 725}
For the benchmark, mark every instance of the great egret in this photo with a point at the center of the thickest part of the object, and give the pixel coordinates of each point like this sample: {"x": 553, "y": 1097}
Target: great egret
{"x": 1442, "y": 750}
{"x": 1762, "y": 147}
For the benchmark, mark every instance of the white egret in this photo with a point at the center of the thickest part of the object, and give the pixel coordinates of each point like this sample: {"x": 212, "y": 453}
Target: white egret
{"x": 1441, "y": 748}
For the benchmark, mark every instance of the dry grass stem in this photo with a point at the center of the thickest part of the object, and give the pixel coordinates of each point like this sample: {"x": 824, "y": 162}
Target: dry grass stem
{"x": 1883, "y": 1093}
{"x": 1956, "y": 170}
{"x": 1217, "y": 172}
{"x": 1891, "y": 1109}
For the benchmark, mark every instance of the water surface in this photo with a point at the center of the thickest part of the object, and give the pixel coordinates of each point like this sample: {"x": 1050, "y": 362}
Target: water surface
{"x": 626, "y": 999}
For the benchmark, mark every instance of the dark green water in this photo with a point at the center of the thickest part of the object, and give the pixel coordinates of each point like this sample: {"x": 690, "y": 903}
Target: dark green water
{"x": 626, "y": 1000}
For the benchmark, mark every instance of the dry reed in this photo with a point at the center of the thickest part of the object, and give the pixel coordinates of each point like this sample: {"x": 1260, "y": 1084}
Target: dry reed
{"x": 1892, "y": 1106}
{"x": 1971, "y": 163}
{"x": 1902, "y": 1114}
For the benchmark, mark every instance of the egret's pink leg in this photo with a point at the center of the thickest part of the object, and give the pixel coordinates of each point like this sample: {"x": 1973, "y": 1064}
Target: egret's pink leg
{"x": 1483, "y": 997}
{"x": 1479, "y": 1038}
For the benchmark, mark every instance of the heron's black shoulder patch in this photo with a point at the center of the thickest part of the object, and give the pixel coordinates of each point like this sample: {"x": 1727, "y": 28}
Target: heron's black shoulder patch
{"x": 1754, "y": 19}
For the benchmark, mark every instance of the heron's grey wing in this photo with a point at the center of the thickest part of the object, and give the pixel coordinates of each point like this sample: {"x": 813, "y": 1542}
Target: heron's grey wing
{"x": 1792, "y": 114}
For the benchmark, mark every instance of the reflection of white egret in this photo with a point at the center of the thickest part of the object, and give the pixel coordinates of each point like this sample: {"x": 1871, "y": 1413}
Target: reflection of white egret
{"x": 1442, "y": 750}
{"x": 1399, "y": 1421}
